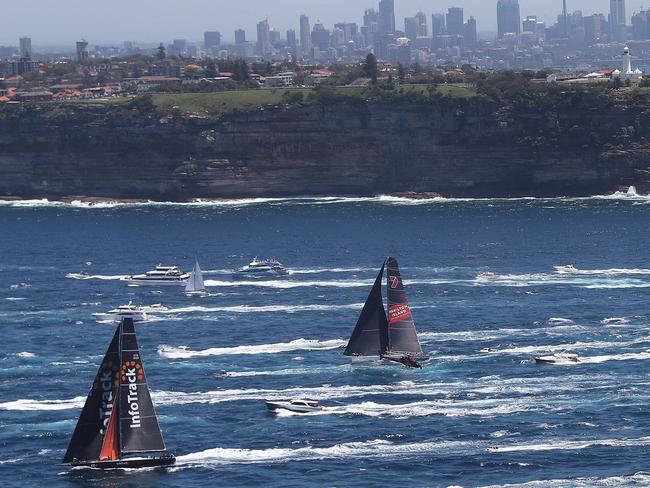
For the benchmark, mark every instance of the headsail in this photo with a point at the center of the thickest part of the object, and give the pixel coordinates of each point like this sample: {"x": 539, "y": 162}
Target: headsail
{"x": 138, "y": 426}
{"x": 195, "y": 282}
{"x": 402, "y": 336}
{"x": 87, "y": 440}
{"x": 370, "y": 335}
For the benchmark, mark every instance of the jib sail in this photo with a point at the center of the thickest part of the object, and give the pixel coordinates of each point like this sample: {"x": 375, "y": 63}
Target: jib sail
{"x": 93, "y": 423}
{"x": 402, "y": 336}
{"x": 370, "y": 335}
{"x": 138, "y": 426}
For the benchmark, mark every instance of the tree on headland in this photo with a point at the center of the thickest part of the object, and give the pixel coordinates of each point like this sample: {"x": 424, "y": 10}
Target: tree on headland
{"x": 370, "y": 68}
{"x": 401, "y": 72}
{"x": 161, "y": 53}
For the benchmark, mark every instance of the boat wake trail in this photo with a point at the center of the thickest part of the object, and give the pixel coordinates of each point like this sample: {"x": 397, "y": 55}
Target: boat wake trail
{"x": 284, "y": 284}
{"x": 349, "y": 450}
{"x": 267, "y": 308}
{"x": 637, "y": 479}
{"x": 183, "y": 352}
{"x": 81, "y": 276}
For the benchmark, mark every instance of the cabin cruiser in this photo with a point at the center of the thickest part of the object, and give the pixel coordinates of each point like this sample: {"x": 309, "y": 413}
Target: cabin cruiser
{"x": 261, "y": 268}
{"x": 558, "y": 358}
{"x": 162, "y": 275}
{"x": 129, "y": 311}
{"x": 296, "y": 405}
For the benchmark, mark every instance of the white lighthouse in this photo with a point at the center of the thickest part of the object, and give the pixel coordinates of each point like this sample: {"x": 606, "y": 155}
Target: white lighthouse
{"x": 627, "y": 72}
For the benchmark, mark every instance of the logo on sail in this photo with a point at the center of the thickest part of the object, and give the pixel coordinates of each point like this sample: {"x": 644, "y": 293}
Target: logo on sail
{"x": 106, "y": 382}
{"x": 399, "y": 312}
{"x": 132, "y": 373}
{"x": 394, "y": 281}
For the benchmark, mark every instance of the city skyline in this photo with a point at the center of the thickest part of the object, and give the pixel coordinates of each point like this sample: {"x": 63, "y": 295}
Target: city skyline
{"x": 183, "y": 22}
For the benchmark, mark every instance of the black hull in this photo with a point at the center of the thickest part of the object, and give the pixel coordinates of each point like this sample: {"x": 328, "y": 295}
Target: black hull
{"x": 151, "y": 462}
{"x": 408, "y": 361}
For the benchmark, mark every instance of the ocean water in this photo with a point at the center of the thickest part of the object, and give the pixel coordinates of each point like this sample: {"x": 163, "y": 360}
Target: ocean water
{"x": 491, "y": 282}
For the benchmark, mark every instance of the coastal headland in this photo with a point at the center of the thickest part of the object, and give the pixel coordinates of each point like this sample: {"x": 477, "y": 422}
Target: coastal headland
{"x": 450, "y": 141}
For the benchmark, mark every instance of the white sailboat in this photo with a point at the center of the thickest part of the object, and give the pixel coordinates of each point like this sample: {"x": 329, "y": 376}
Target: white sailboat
{"x": 195, "y": 285}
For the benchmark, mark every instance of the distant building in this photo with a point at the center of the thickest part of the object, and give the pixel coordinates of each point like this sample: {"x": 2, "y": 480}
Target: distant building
{"x": 177, "y": 48}
{"x": 617, "y": 20}
{"x": 211, "y": 40}
{"x": 386, "y": 16}
{"x": 470, "y": 34}
{"x": 320, "y": 37}
{"x": 508, "y": 17}
{"x": 240, "y": 36}
{"x": 437, "y": 25}
{"x": 82, "y": 51}
{"x": 455, "y": 21}
{"x": 594, "y": 28}
{"x": 305, "y": 35}
{"x": 279, "y": 80}
{"x": 22, "y": 66}
{"x": 291, "y": 38}
{"x": 25, "y": 47}
{"x": 263, "y": 38}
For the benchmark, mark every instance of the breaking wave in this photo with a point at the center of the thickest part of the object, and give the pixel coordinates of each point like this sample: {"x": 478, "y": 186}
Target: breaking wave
{"x": 266, "y": 308}
{"x": 296, "y": 345}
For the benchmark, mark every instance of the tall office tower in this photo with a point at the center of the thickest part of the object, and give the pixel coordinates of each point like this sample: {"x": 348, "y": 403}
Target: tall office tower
{"x": 240, "y": 36}
{"x": 617, "y": 20}
{"x": 263, "y": 38}
{"x": 82, "y": 50}
{"x": 305, "y": 34}
{"x": 211, "y": 40}
{"x": 437, "y": 24}
{"x": 566, "y": 19}
{"x": 275, "y": 38}
{"x": 291, "y": 38}
{"x": 471, "y": 34}
{"x": 411, "y": 28}
{"x": 370, "y": 27}
{"x": 508, "y": 17}
{"x": 421, "y": 19}
{"x": 386, "y": 16}
{"x": 320, "y": 37}
{"x": 455, "y": 21}
{"x": 25, "y": 47}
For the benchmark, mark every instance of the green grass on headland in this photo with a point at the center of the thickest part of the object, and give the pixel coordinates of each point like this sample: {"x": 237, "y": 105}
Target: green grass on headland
{"x": 227, "y": 101}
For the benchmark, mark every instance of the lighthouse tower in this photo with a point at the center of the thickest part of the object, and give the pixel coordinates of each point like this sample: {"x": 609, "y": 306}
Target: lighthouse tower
{"x": 627, "y": 61}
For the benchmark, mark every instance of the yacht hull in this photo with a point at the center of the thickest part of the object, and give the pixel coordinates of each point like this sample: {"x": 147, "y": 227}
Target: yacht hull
{"x": 148, "y": 462}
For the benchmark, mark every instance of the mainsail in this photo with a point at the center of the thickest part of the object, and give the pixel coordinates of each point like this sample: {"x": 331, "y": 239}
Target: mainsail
{"x": 195, "y": 282}
{"x": 118, "y": 416}
{"x": 88, "y": 436}
{"x": 138, "y": 426}
{"x": 370, "y": 336}
{"x": 402, "y": 336}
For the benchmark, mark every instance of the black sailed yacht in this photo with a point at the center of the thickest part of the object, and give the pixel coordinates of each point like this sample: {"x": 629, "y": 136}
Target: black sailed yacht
{"x": 392, "y": 337}
{"x": 118, "y": 427}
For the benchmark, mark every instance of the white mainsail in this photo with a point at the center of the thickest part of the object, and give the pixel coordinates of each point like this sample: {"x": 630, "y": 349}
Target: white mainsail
{"x": 195, "y": 282}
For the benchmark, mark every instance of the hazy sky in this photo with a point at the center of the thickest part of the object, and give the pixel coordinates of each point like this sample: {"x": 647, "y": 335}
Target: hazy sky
{"x": 64, "y": 21}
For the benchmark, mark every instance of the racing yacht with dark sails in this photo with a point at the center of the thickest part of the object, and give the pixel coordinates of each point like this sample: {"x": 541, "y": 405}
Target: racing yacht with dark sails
{"x": 391, "y": 336}
{"x": 118, "y": 427}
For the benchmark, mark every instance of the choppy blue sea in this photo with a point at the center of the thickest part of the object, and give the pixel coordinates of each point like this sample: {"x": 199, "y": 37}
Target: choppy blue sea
{"x": 492, "y": 283}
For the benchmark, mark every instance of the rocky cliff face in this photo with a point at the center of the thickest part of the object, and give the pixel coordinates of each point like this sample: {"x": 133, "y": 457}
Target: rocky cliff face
{"x": 455, "y": 147}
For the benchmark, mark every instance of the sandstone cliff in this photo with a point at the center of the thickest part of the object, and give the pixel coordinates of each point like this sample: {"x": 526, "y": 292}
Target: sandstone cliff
{"x": 455, "y": 147}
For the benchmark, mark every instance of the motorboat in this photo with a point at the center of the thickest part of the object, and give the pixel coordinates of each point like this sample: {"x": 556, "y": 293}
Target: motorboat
{"x": 162, "y": 275}
{"x": 296, "y": 405}
{"x": 261, "y": 268}
{"x": 130, "y": 311}
{"x": 558, "y": 358}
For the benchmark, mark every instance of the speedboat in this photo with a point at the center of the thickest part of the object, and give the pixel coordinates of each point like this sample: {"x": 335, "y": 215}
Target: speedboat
{"x": 261, "y": 268}
{"x": 558, "y": 358}
{"x": 129, "y": 311}
{"x": 296, "y": 405}
{"x": 162, "y": 275}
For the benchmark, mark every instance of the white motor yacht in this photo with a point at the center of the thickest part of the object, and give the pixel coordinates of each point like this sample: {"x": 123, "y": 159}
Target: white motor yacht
{"x": 558, "y": 358}
{"x": 261, "y": 268}
{"x": 128, "y": 311}
{"x": 296, "y": 405}
{"x": 162, "y": 275}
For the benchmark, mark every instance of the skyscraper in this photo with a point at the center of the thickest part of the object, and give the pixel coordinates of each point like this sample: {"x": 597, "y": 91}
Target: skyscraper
{"x": 263, "y": 38}
{"x": 291, "y": 38}
{"x": 455, "y": 21}
{"x": 82, "y": 50}
{"x": 211, "y": 40}
{"x": 240, "y": 36}
{"x": 617, "y": 19}
{"x": 386, "y": 16}
{"x": 617, "y": 12}
{"x": 305, "y": 35}
{"x": 470, "y": 34}
{"x": 25, "y": 47}
{"x": 437, "y": 24}
{"x": 508, "y": 17}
